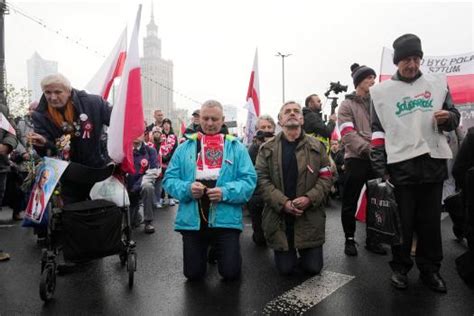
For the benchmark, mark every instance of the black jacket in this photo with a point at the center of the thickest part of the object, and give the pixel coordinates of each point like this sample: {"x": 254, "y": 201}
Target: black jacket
{"x": 84, "y": 150}
{"x": 338, "y": 158}
{"x": 192, "y": 128}
{"x": 464, "y": 159}
{"x": 7, "y": 139}
{"x": 314, "y": 124}
{"x": 421, "y": 169}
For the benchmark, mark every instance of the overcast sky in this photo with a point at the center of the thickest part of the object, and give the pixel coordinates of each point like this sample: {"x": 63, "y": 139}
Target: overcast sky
{"x": 212, "y": 42}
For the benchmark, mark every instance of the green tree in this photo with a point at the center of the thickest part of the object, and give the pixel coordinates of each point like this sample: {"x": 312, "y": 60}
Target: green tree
{"x": 17, "y": 100}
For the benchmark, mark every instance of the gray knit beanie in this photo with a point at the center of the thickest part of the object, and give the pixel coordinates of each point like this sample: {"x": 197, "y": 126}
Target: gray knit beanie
{"x": 359, "y": 73}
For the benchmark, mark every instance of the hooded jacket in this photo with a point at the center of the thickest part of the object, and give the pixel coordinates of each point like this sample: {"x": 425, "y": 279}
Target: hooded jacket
{"x": 353, "y": 119}
{"x": 237, "y": 179}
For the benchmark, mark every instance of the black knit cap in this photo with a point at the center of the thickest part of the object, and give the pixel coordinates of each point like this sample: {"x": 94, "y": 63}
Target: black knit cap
{"x": 359, "y": 73}
{"x": 405, "y": 46}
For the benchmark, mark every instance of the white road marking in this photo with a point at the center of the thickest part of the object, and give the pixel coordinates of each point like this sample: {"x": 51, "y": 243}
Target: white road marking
{"x": 306, "y": 295}
{"x": 444, "y": 215}
{"x": 6, "y": 226}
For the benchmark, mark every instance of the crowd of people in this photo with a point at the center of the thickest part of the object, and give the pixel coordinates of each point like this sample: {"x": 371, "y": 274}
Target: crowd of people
{"x": 395, "y": 130}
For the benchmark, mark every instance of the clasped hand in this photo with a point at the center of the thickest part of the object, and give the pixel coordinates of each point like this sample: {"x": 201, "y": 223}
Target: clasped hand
{"x": 297, "y": 206}
{"x": 198, "y": 190}
{"x": 441, "y": 116}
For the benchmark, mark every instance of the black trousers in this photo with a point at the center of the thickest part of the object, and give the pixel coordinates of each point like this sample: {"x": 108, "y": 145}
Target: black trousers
{"x": 420, "y": 212}
{"x": 357, "y": 172}
{"x": 255, "y": 207}
{"x": 3, "y": 186}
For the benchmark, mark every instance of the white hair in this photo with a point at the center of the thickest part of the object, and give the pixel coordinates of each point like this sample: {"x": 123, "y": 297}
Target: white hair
{"x": 56, "y": 78}
{"x": 265, "y": 117}
{"x": 212, "y": 104}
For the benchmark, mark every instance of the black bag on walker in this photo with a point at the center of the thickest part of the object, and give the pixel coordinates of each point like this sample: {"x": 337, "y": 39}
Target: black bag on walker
{"x": 91, "y": 229}
{"x": 383, "y": 218}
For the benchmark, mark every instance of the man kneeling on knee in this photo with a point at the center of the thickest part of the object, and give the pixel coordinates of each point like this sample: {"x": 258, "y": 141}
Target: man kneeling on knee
{"x": 294, "y": 180}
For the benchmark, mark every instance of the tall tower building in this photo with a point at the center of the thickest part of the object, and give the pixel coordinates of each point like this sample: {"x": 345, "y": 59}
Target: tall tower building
{"x": 157, "y": 75}
{"x": 37, "y": 69}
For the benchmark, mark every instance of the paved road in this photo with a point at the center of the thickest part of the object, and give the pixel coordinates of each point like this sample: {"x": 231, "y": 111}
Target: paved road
{"x": 347, "y": 286}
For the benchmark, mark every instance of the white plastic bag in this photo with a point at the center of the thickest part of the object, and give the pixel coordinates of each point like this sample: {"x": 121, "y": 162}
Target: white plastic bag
{"x": 150, "y": 176}
{"x": 111, "y": 189}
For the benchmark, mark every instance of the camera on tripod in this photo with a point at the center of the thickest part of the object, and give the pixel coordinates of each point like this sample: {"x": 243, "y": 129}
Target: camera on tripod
{"x": 335, "y": 87}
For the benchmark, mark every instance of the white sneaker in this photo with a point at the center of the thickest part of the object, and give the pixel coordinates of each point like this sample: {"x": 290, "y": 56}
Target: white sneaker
{"x": 4, "y": 256}
{"x": 141, "y": 212}
{"x": 159, "y": 205}
{"x": 172, "y": 203}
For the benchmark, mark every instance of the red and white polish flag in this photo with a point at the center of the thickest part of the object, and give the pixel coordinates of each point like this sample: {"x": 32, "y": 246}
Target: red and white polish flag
{"x": 361, "y": 210}
{"x": 5, "y": 124}
{"x": 459, "y": 70}
{"x": 127, "y": 120}
{"x": 111, "y": 68}
{"x": 253, "y": 101}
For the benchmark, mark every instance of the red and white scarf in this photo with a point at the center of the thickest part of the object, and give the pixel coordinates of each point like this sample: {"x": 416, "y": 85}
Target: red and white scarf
{"x": 167, "y": 145}
{"x": 209, "y": 160}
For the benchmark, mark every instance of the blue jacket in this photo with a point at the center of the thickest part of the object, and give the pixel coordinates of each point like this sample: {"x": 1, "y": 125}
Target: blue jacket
{"x": 237, "y": 179}
{"x": 143, "y": 153}
{"x": 84, "y": 150}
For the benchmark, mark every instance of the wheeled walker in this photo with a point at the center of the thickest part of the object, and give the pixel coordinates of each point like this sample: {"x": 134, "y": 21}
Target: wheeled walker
{"x": 86, "y": 231}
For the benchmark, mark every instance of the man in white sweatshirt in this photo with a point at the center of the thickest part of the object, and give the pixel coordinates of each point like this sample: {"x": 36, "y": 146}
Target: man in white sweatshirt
{"x": 408, "y": 114}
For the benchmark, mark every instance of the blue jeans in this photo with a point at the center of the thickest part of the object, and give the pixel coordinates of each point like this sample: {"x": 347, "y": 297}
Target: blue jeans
{"x": 226, "y": 243}
{"x": 311, "y": 260}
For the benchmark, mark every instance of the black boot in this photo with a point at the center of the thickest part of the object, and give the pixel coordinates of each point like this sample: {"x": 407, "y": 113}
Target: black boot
{"x": 434, "y": 281}
{"x": 399, "y": 280}
{"x": 350, "y": 247}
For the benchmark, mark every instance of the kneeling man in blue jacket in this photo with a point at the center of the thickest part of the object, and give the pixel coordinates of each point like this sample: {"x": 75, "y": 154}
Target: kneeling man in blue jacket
{"x": 212, "y": 176}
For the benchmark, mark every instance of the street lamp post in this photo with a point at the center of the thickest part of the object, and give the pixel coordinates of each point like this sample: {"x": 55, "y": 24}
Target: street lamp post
{"x": 283, "y": 71}
{"x": 3, "y": 11}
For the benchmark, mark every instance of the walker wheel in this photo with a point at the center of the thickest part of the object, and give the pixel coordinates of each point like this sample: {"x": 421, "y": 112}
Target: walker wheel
{"x": 131, "y": 267}
{"x": 47, "y": 283}
{"x": 123, "y": 258}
